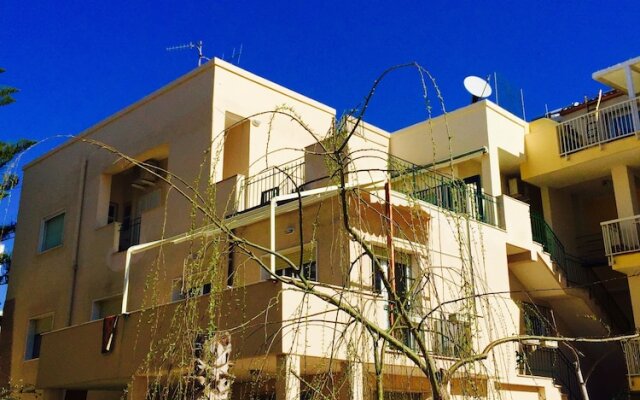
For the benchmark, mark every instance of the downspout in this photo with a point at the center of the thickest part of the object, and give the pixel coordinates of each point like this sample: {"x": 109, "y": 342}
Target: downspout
{"x": 76, "y": 251}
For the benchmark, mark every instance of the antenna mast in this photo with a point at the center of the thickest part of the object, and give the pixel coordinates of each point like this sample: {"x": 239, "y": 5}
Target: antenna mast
{"x": 191, "y": 45}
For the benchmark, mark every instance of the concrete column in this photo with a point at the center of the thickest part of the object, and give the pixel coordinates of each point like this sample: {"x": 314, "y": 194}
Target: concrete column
{"x": 356, "y": 380}
{"x": 631, "y": 90}
{"x": 491, "y": 173}
{"x": 624, "y": 187}
{"x": 287, "y": 382}
{"x": 634, "y": 290}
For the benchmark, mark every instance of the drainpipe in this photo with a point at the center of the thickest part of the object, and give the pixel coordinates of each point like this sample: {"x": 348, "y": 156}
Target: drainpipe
{"x": 76, "y": 250}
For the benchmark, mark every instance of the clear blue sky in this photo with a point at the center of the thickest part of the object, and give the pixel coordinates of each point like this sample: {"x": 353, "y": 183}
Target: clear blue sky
{"x": 76, "y": 62}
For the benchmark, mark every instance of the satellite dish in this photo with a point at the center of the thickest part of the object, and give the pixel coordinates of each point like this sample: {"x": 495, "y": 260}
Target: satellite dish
{"x": 478, "y": 87}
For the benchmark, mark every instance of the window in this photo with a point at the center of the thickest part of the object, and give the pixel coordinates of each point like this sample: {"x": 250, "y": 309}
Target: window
{"x": 176, "y": 290}
{"x": 403, "y": 274}
{"x": 149, "y": 201}
{"x": 106, "y": 307}
{"x": 451, "y": 337}
{"x": 195, "y": 282}
{"x": 52, "y": 232}
{"x": 37, "y": 327}
{"x": 113, "y": 212}
{"x": 308, "y": 267}
{"x": 179, "y": 292}
{"x": 538, "y": 320}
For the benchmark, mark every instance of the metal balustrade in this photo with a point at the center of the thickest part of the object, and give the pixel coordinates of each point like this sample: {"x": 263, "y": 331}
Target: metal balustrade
{"x": 543, "y": 234}
{"x": 631, "y": 350}
{"x": 422, "y": 183}
{"x": 576, "y": 273}
{"x": 287, "y": 178}
{"x": 449, "y": 337}
{"x": 551, "y": 363}
{"x": 598, "y": 127}
{"x": 621, "y": 236}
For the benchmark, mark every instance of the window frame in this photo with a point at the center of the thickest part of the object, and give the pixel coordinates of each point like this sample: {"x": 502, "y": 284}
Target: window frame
{"x": 43, "y": 228}
{"x": 292, "y": 250}
{"x": 407, "y": 259}
{"x": 29, "y": 340}
{"x": 94, "y": 304}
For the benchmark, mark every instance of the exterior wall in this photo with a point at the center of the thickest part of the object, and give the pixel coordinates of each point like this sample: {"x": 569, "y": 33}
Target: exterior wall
{"x": 276, "y": 139}
{"x": 456, "y": 133}
{"x": 175, "y": 118}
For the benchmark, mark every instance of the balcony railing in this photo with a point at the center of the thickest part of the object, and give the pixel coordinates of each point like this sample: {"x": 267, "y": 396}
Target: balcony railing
{"x": 422, "y": 183}
{"x": 287, "y": 178}
{"x": 543, "y": 234}
{"x": 576, "y": 273}
{"x": 621, "y": 236}
{"x": 598, "y": 127}
{"x": 449, "y": 337}
{"x": 552, "y": 363}
{"x": 632, "y": 354}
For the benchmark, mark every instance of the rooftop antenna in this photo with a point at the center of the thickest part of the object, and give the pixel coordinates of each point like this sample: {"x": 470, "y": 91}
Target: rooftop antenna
{"x": 191, "y": 45}
{"x": 236, "y": 56}
{"x": 478, "y": 87}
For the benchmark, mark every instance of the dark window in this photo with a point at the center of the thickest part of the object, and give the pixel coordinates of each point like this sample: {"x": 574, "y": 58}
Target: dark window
{"x": 113, "y": 212}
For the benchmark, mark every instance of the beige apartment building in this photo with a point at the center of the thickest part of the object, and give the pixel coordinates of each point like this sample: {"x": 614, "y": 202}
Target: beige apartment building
{"x": 210, "y": 207}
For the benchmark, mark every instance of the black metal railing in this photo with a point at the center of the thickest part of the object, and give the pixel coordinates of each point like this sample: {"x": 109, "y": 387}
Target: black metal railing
{"x": 129, "y": 234}
{"x": 577, "y": 274}
{"x": 552, "y": 363}
{"x": 565, "y": 375}
{"x": 449, "y": 337}
{"x": 423, "y": 183}
{"x": 287, "y": 178}
{"x": 543, "y": 234}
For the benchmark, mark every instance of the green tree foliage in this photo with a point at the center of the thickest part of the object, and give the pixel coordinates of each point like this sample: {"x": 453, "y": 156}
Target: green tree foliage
{"x": 8, "y": 152}
{"x": 6, "y": 92}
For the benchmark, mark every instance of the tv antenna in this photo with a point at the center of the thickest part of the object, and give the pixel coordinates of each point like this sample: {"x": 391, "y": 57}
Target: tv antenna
{"x": 478, "y": 87}
{"x": 191, "y": 45}
{"x": 235, "y": 56}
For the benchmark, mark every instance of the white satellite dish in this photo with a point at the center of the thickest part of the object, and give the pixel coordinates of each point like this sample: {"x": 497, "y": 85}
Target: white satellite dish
{"x": 478, "y": 87}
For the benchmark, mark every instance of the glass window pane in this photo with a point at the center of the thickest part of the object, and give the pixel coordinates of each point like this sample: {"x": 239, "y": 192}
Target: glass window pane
{"x": 53, "y": 230}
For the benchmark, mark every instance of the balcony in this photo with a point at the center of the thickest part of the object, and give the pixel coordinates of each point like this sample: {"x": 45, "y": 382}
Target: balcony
{"x": 287, "y": 178}
{"x": 72, "y": 357}
{"x": 621, "y": 237}
{"x": 632, "y": 354}
{"x": 451, "y": 194}
{"x": 237, "y": 193}
{"x": 598, "y": 127}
